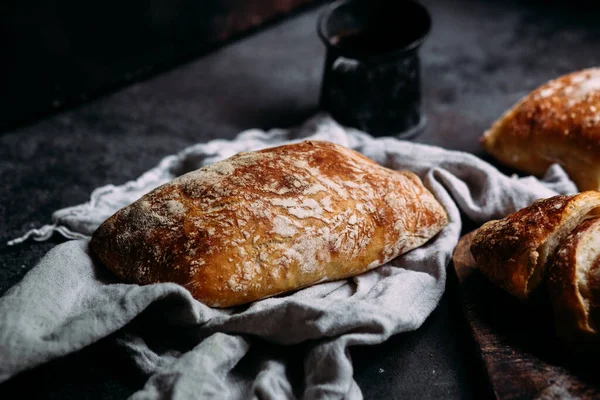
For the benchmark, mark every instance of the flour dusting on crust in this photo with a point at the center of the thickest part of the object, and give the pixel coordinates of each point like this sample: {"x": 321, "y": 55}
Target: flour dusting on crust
{"x": 267, "y": 222}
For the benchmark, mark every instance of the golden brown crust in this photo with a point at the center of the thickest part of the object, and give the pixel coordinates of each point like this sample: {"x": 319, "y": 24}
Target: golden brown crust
{"x": 262, "y": 223}
{"x": 574, "y": 283}
{"x": 513, "y": 252}
{"x": 557, "y": 123}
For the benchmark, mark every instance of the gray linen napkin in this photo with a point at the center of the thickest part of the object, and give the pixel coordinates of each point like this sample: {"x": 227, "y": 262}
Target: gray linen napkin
{"x": 188, "y": 350}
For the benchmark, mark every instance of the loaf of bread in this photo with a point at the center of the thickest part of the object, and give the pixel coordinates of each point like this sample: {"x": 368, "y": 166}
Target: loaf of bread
{"x": 263, "y": 223}
{"x": 514, "y": 252}
{"x": 553, "y": 245}
{"x": 574, "y": 284}
{"x": 557, "y": 123}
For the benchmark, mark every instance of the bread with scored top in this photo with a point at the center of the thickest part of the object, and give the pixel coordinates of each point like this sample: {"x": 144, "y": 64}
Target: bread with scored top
{"x": 268, "y": 222}
{"x": 515, "y": 252}
{"x": 559, "y": 122}
{"x": 552, "y": 245}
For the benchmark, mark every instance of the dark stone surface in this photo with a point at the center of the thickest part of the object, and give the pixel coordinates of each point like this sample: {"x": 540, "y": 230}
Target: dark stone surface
{"x": 480, "y": 58}
{"x": 60, "y": 52}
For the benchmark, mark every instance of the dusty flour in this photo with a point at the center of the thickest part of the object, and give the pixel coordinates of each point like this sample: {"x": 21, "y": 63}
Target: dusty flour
{"x": 279, "y": 218}
{"x": 572, "y": 98}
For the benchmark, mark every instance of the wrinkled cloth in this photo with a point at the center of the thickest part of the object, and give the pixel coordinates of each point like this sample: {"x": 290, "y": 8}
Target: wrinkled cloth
{"x": 188, "y": 350}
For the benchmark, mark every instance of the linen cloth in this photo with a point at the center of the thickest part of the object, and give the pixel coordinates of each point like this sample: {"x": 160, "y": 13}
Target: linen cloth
{"x": 188, "y": 350}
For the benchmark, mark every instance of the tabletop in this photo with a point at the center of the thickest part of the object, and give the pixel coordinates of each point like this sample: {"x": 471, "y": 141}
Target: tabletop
{"x": 480, "y": 57}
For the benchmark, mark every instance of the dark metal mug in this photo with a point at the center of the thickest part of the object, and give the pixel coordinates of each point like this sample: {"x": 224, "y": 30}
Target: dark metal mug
{"x": 371, "y": 79}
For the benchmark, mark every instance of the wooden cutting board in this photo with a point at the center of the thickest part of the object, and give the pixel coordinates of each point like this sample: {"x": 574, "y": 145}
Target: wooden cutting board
{"x": 516, "y": 343}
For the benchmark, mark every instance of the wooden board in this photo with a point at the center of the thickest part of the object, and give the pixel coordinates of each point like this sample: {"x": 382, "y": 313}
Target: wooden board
{"x": 516, "y": 342}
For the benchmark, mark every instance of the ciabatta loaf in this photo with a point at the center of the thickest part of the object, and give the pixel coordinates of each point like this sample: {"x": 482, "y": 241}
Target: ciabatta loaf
{"x": 515, "y": 251}
{"x": 268, "y": 222}
{"x": 574, "y": 283}
{"x": 559, "y": 122}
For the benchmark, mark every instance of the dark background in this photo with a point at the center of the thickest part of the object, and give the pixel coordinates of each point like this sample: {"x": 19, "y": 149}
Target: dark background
{"x": 58, "y": 53}
{"x": 97, "y": 94}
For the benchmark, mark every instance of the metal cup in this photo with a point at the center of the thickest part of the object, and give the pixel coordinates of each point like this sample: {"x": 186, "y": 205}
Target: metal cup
{"x": 371, "y": 79}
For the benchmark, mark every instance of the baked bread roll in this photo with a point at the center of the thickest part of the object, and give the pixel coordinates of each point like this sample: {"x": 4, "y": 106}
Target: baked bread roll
{"x": 574, "y": 284}
{"x": 515, "y": 251}
{"x": 263, "y": 223}
{"x": 557, "y": 123}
